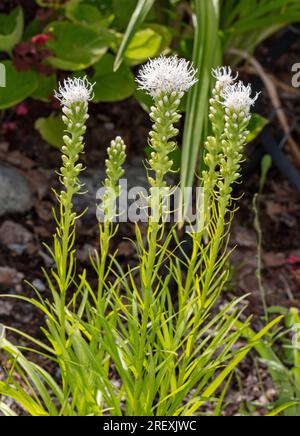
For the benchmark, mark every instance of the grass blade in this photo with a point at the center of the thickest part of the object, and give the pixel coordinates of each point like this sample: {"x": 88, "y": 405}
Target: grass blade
{"x": 141, "y": 11}
{"x": 207, "y": 54}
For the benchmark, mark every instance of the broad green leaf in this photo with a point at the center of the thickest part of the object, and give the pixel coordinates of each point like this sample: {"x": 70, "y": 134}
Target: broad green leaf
{"x": 266, "y": 164}
{"x": 19, "y": 85}
{"x": 11, "y": 29}
{"x": 256, "y": 125}
{"x": 45, "y": 89}
{"x": 51, "y": 129}
{"x": 33, "y": 28}
{"x": 145, "y": 44}
{"x": 144, "y": 99}
{"x": 165, "y": 33}
{"x": 77, "y": 47}
{"x": 139, "y": 15}
{"x": 123, "y": 10}
{"x": 112, "y": 86}
{"x": 85, "y": 14}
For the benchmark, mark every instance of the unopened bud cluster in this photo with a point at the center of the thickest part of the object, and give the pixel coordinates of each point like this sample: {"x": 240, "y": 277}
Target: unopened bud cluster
{"x": 74, "y": 95}
{"x": 166, "y": 79}
{"x": 114, "y": 171}
{"x": 164, "y": 115}
{"x": 233, "y": 143}
{"x": 114, "y": 164}
{"x": 74, "y": 117}
{"x": 230, "y": 115}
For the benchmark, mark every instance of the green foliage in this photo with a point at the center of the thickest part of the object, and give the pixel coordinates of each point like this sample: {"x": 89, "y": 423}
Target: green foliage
{"x": 110, "y": 85}
{"x": 123, "y": 11}
{"x": 45, "y": 87}
{"x": 138, "y": 17}
{"x": 145, "y": 44}
{"x": 206, "y": 55}
{"x": 77, "y": 47}
{"x": 11, "y": 29}
{"x": 284, "y": 370}
{"x": 82, "y": 13}
{"x": 86, "y": 35}
{"x": 247, "y": 23}
{"x": 19, "y": 86}
{"x": 221, "y": 25}
{"x": 266, "y": 165}
{"x": 256, "y": 126}
{"x": 51, "y": 129}
{"x": 132, "y": 343}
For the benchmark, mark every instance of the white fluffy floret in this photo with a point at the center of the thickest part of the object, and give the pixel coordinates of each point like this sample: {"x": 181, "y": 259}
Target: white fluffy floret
{"x": 224, "y": 76}
{"x": 75, "y": 90}
{"x": 165, "y": 75}
{"x": 237, "y": 97}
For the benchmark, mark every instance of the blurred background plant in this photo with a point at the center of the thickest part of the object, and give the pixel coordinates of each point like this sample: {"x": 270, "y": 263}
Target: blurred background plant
{"x": 214, "y": 28}
{"x": 279, "y": 351}
{"x": 75, "y": 36}
{"x": 109, "y": 38}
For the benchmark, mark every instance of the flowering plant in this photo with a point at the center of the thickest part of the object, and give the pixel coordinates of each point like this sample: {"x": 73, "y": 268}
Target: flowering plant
{"x": 149, "y": 339}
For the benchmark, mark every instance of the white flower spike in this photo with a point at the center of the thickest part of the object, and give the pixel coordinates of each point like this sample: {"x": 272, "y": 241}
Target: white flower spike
{"x": 74, "y": 91}
{"x": 238, "y": 98}
{"x": 224, "y": 76}
{"x": 165, "y": 75}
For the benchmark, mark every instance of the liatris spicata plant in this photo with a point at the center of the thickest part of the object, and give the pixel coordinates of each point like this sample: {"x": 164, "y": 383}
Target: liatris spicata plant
{"x": 150, "y": 338}
{"x": 74, "y": 96}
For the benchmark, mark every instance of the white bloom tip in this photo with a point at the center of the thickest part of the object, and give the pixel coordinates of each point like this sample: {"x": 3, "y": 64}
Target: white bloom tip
{"x": 237, "y": 97}
{"x": 224, "y": 76}
{"x": 165, "y": 75}
{"x": 75, "y": 90}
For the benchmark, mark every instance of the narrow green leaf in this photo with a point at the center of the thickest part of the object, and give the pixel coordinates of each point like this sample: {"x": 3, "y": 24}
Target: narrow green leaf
{"x": 140, "y": 13}
{"x": 207, "y": 54}
{"x": 281, "y": 409}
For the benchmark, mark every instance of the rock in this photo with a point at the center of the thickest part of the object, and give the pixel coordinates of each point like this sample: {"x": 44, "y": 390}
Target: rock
{"x": 84, "y": 253}
{"x": 10, "y": 276}
{"x": 15, "y": 193}
{"x": 17, "y": 249}
{"x": 13, "y": 233}
{"x": 16, "y": 238}
{"x": 274, "y": 260}
{"x": 39, "y": 285}
{"x": 135, "y": 174}
{"x": 20, "y": 160}
{"x": 6, "y": 308}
